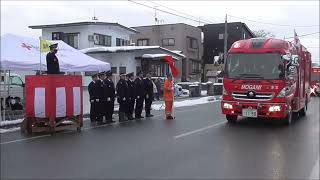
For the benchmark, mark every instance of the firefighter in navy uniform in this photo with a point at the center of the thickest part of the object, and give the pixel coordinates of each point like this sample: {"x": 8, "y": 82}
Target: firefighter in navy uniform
{"x": 148, "y": 85}
{"x": 131, "y": 95}
{"x": 109, "y": 94}
{"x": 122, "y": 96}
{"x": 52, "y": 60}
{"x": 139, "y": 89}
{"x": 95, "y": 90}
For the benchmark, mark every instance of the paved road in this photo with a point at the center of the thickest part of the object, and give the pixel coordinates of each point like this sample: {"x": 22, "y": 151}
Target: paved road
{"x": 197, "y": 144}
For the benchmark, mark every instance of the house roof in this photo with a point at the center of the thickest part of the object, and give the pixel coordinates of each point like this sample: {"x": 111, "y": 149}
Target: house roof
{"x": 81, "y": 24}
{"x": 116, "y": 49}
{"x": 165, "y": 25}
{"x": 222, "y": 24}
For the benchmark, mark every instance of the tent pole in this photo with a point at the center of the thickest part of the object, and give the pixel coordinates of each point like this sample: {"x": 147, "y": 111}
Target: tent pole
{"x": 40, "y": 54}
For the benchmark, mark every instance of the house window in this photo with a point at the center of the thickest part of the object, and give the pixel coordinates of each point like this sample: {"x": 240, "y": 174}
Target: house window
{"x": 143, "y": 42}
{"x": 90, "y": 73}
{"x": 168, "y": 42}
{"x": 138, "y": 69}
{"x": 121, "y": 42}
{"x": 196, "y": 67}
{"x": 193, "y": 43}
{"x": 57, "y": 36}
{"x": 123, "y": 70}
{"x": 103, "y": 40}
{"x": 114, "y": 70}
{"x": 72, "y": 39}
{"x": 221, "y": 36}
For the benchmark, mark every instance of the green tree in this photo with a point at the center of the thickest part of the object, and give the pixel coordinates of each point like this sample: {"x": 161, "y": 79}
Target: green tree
{"x": 262, "y": 33}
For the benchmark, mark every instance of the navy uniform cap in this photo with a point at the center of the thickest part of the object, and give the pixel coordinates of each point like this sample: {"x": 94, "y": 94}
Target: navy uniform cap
{"x": 101, "y": 74}
{"x": 55, "y": 45}
{"x": 130, "y": 74}
{"x": 94, "y": 75}
{"x": 108, "y": 73}
{"x": 140, "y": 72}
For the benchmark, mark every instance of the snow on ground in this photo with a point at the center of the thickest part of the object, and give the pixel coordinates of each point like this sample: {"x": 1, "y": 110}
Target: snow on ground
{"x": 192, "y": 102}
{"x": 12, "y": 122}
{"x": 203, "y": 93}
{"x": 9, "y": 130}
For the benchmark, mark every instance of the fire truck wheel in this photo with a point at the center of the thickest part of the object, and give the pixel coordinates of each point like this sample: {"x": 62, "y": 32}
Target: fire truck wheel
{"x": 288, "y": 119}
{"x": 232, "y": 118}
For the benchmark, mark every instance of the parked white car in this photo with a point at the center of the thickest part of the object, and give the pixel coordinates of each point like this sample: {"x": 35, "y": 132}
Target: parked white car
{"x": 13, "y": 93}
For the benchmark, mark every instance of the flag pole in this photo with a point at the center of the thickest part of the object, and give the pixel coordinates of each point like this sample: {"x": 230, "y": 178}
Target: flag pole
{"x": 40, "y": 54}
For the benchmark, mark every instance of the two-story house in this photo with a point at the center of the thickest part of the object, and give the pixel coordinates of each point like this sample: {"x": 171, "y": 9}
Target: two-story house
{"x": 82, "y": 35}
{"x": 176, "y": 37}
{"x": 213, "y": 40}
{"x": 213, "y": 43}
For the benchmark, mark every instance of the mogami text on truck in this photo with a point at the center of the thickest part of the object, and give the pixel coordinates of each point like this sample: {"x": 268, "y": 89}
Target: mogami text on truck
{"x": 266, "y": 78}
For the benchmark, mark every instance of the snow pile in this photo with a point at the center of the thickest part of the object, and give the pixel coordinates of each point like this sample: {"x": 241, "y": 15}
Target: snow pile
{"x": 203, "y": 93}
{"x": 12, "y": 122}
{"x": 9, "y": 130}
{"x": 117, "y": 49}
{"x": 203, "y": 100}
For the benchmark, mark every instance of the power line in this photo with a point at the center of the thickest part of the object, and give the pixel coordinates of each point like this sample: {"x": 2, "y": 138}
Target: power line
{"x": 179, "y": 11}
{"x": 303, "y": 35}
{"x": 273, "y": 24}
{"x": 168, "y": 12}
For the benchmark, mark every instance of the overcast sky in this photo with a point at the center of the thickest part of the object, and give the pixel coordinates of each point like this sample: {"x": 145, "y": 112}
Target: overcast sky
{"x": 16, "y": 16}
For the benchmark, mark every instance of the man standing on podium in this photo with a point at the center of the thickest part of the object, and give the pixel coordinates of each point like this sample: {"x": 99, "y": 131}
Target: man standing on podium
{"x": 52, "y": 60}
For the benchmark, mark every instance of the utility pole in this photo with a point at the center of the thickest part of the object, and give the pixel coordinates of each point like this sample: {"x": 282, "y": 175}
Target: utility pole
{"x": 155, "y": 15}
{"x": 225, "y": 39}
{"x": 94, "y": 18}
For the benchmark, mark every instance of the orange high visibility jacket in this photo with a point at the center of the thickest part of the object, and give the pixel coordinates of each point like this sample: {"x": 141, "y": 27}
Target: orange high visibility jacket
{"x": 168, "y": 90}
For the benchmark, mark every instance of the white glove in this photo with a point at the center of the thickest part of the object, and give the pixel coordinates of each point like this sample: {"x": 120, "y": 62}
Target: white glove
{"x": 108, "y": 99}
{"x": 138, "y": 97}
{"x": 97, "y": 100}
{"x": 91, "y": 100}
{"x": 147, "y": 96}
{"x": 123, "y": 98}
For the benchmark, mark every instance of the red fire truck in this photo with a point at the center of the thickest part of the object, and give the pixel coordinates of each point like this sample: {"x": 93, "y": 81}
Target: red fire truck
{"x": 266, "y": 78}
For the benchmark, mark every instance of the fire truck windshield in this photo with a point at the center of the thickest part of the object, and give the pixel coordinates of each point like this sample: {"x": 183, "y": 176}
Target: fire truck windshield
{"x": 255, "y": 66}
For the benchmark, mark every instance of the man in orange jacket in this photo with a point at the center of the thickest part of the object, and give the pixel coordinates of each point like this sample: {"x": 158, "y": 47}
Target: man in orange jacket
{"x": 168, "y": 96}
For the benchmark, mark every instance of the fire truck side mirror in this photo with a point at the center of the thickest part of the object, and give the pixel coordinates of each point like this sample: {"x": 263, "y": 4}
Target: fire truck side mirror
{"x": 286, "y": 57}
{"x": 295, "y": 60}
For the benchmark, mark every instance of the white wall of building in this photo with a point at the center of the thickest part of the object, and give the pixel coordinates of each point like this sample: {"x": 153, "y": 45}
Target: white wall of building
{"x": 82, "y": 30}
{"x": 126, "y": 59}
{"x": 86, "y": 30}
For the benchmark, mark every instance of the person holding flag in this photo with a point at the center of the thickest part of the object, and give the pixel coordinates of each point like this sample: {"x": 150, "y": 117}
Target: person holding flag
{"x": 168, "y": 94}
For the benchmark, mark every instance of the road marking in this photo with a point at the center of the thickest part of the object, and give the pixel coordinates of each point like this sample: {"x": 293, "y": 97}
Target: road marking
{"x": 315, "y": 170}
{"x": 25, "y": 139}
{"x": 198, "y": 130}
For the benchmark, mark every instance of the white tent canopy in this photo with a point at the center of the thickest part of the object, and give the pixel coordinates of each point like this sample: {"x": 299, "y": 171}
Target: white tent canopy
{"x": 23, "y": 54}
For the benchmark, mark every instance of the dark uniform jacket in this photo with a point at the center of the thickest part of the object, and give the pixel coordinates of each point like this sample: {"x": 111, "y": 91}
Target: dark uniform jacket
{"x": 139, "y": 88}
{"x": 52, "y": 63}
{"x": 131, "y": 90}
{"x": 122, "y": 88}
{"x": 148, "y": 85}
{"x": 95, "y": 91}
{"x": 109, "y": 90}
